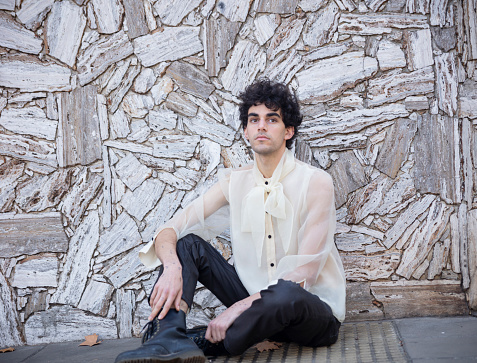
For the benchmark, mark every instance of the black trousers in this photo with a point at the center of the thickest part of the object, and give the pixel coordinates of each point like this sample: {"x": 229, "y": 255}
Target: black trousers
{"x": 285, "y": 311}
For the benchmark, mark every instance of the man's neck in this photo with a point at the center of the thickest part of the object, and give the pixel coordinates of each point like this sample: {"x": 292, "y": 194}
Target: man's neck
{"x": 267, "y": 163}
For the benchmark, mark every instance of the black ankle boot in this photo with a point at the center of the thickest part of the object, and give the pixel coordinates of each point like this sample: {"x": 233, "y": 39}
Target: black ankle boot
{"x": 165, "y": 341}
{"x": 197, "y": 335}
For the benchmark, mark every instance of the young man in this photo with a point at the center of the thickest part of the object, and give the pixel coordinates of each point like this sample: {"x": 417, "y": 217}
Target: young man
{"x": 288, "y": 282}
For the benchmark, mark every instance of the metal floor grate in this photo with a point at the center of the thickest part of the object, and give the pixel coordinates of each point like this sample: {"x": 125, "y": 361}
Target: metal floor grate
{"x": 358, "y": 342}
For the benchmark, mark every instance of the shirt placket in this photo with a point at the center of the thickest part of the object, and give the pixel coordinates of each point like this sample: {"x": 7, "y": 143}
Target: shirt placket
{"x": 270, "y": 244}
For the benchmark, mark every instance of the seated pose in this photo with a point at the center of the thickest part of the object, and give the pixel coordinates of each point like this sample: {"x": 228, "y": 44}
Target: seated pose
{"x": 287, "y": 282}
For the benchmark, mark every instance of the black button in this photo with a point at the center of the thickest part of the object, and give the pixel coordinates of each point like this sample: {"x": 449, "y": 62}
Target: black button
{"x": 269, "y": 236}
{"x": 266, "y": 183}
{"x": 272, "y": 264}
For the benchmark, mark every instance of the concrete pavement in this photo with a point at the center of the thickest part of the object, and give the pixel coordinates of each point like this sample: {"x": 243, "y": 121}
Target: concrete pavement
{"x": 420, "y": 340}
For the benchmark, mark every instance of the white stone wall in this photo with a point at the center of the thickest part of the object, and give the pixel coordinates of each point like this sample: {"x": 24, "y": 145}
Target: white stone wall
{"x": 114, "y": 114}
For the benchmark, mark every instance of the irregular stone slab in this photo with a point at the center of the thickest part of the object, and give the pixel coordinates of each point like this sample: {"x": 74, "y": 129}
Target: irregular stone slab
{"x": 109, "y": 15}
{"x": 162, "y": 89}
{"x": 96, "y": 297}
{"x": 439, "y": 259}
{"x": 15, "y": 36}
{"x": 190, "y": 79}
{"x": 234, "y": 10}
{"x": 175, "y": 146}
{"x": 285, "y": 36}
{"x": 374, "y": 24}
{"x": 214, "y": 131}
{"x": 19, "y": 147}
{"x": 30, "y": 75}
{"x": 162, "y": 119}
{"x": 140, "y": 201}
{"x": 119, "y": 125}
{"x": 366, "y": 268}
{"x": 7, "y": 5}
{"x": 23, "y": 98}
{"x": 64, "y": 323}
{"x": 36, "y": 272}
{"x": 77, "y": 262}
{"x": 406, "y": 219}
{"x": 390, "y": 56}
{"x": 30, "y": 234}
{"x": 311, "y": 5}
{"x": 122, "y": 270}
{"x": 447, "y": 83}
{"x": 11, "y": 332}
{"x": 424, "y": 238}
{"x": 79, "y": 138}
{"x": 359, "y": 303}
{"x": 348, "y": 175}
{"x": 420, "y": 298}
{"x": 463, "y": 217}
{"x": 171, "y": 44}
{"x": 396, "y": 146}
{"x": 129, "y": 146}
{"x": 32, "y": 12}
{"x": 265, "y": 26}
{"x": 29, "y": 121}
{"x": 394, "y": 87}
{"x": 156, "y": 163}
{"x": 144, "y": 81}
{"x": 10, "y": 171}
{"x": 353, "y": 242}
{"x": 346, "y": 5}
{"x": 277, "y": 7}
{"x": 435, "y": 141}
{"x": 328, "y": 78}
{"x": 340, "y": 142}
{"x": 97, "y": 57}
{"x": 40, "y": 193}
{"x": 181, "y": 105}
{"x": 137, "y": 106}
{"x": 172, "y": 12}
{"x": 418, "y": 49}
{"x": 283, "y": 68}
{"x": 122, "y": 236}
{"x": 470, "y": 14}
{"x": 416, "y": 103}
{"x": 209, "y": 155}
{"x": 331, "y": 50}
{"x": 321, "y": 26}
{"x": 181, "y": 179}
{"x": 219, "y": 37}
{"x": 246, "y": 61}
{"x": 64, "y": 30}
{"x": 81, "y": 194}
{"x": 398, "y": 196}
{"x": 125, "y": 305}
{"x": 132, "y": 172}
{"x": 112, "y": 78}
{"x": 351, "y": 121}
{"x": 468, "y": 99}
{"x": 139, "y": 131}
{"x": 472, "y": 253}
{"x": 135, "y": 18}
{"x": 162, "y": 212}
{"x": 116, "y": 96}
{"x": 236, "y": 156}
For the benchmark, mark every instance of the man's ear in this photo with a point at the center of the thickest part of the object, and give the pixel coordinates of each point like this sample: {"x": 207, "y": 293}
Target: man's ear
{"x": 245, "y": 133}
{"x": 289, "y": 132}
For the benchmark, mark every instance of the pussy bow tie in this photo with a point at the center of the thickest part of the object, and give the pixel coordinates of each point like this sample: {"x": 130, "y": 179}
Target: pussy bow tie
{"x": 267, "y": 197}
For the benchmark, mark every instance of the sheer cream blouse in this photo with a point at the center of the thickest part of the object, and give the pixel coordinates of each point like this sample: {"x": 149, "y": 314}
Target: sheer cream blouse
{"x": 281, "y": 228}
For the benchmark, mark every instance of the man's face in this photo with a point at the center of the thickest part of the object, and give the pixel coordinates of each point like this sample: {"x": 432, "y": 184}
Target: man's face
{"x": 266, "y": 131}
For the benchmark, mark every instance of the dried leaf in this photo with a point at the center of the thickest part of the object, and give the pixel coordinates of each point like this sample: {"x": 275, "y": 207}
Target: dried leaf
{"x": 91, "y": 340}
{"x": 6, "y": 350}
{"x": 267, "y": 345}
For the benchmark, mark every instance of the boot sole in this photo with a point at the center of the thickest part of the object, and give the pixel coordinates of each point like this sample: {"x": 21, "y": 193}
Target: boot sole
{"x": 185, "y": 357}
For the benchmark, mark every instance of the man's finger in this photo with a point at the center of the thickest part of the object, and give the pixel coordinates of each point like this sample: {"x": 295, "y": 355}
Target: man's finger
{"x": 165, "y": 308}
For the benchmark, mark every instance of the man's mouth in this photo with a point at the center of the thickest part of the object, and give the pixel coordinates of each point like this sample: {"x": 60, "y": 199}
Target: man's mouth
{"x": 261, "y": 137}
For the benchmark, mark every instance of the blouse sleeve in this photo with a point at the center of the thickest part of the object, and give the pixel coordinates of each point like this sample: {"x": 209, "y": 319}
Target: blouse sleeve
{"x": 207, "y": 216}
{"x": 315, "y": 235}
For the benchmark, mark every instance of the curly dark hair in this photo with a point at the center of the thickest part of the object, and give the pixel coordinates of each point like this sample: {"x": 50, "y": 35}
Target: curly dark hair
{"x": 275, "y": 96}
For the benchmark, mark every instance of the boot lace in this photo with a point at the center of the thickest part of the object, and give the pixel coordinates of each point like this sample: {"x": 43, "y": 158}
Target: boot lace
{"x": 151, "y": 328}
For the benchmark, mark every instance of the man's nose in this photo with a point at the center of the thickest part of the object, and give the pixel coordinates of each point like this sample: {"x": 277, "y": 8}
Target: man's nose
{"x": 262, "y": 124}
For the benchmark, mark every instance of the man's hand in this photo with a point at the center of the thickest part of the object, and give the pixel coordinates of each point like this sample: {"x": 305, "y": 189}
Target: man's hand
{"x": 218, "y": 327}
{"x": 167, "y": 292}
